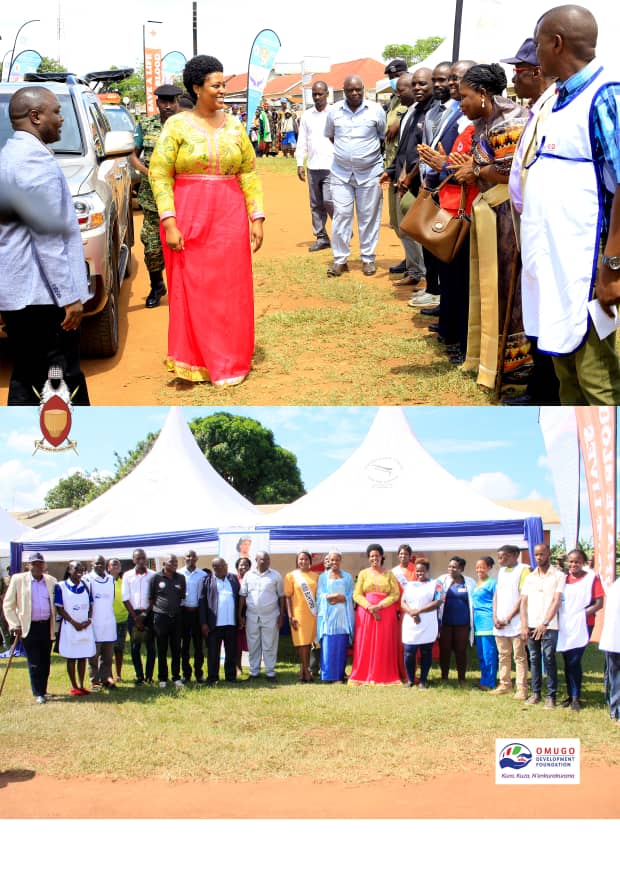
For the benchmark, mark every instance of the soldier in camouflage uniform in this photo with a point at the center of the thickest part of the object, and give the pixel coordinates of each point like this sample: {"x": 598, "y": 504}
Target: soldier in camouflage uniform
{"x": 167, "y": 99}
{"x": 395, "y": 113}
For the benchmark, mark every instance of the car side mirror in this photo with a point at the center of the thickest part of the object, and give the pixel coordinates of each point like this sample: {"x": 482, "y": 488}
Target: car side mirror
{"x": 118, "y": 143}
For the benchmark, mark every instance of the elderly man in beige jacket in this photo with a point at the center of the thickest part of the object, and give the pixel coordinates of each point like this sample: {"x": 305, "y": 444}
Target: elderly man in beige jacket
{"x": 28, "y": 608}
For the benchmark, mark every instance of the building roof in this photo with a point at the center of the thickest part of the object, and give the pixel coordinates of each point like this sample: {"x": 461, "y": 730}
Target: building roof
{"x": 289, "y": 84}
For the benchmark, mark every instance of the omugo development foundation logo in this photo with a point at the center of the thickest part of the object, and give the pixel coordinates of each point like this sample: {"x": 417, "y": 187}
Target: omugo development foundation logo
{"x": 535, "y": 761}
{"x": 516, "y": 755}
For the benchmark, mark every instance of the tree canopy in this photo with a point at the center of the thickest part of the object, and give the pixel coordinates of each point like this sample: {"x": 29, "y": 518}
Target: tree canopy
{"x": 414, "y": 54}
{"x": 50, "y": 65}
{"x": 240, "y": 449}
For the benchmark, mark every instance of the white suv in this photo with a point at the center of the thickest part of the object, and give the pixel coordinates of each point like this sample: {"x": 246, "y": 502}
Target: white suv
{"x": 94, "y": 159}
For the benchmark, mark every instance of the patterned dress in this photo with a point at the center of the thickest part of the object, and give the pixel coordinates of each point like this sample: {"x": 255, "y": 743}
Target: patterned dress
{"x": 207, "y": 178}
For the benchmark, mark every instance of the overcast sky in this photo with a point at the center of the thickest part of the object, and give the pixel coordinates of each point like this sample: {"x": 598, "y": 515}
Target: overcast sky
{"x": 98, "y": 36}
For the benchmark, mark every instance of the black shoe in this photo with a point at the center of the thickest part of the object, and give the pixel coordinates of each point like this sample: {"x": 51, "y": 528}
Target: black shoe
{"x": 398, "y": 269}
{"x": 271, "y": 679}
{"x": 522, "y": 399}
{"x": 430, "y": 312}
{"x": 154, "y": 297}
{"x": 433, "y": 327}
{"x": 337, "y": 269}
{"x": 457, "y": 358}
{"x": 319, "y": 245}
{"x": 139, "y": 682}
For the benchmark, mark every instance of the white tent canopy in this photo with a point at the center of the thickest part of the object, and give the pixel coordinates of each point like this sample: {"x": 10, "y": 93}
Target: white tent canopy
{"x": 392, "y": 490}
{"x": 11, "y": 531}
{"x": 173, "y": 498}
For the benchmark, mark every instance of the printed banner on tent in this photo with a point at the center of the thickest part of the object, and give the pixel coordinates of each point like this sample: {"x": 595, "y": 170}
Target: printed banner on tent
{"x": 559, "y": 431}
{"x": 234, "y": 545}
{"x": 25, "y": 62}
{"x": 152, "y": 65}
{"x": 262, "y": 57}
{"x": 597, "y": 439}
{"x": 172, "y": 66}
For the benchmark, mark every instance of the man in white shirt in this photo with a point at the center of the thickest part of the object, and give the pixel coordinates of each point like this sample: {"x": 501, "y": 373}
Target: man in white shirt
{"x": 190, "y": 621}
{"x": 318, "y": 149}
{"x": 357, "y": 127}
{"x": 262, "y": 594}
{"x": 135, "y": 594}
{"x": 507, "y": 622}
{"x": 540, "y": 599}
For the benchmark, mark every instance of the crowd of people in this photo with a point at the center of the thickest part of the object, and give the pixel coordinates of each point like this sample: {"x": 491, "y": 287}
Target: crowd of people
{"x": 521, "y": 303}
{"x": 391, "y": 623}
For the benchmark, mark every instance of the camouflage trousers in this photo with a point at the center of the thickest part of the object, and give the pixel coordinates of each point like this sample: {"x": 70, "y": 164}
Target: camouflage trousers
{"x": 151, "y": 241}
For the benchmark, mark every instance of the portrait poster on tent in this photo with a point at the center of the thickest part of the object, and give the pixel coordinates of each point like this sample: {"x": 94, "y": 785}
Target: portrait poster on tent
{"x": 232, "y": 546}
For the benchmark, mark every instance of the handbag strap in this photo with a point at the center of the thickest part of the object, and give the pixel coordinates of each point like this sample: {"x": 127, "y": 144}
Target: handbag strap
{"x": 447, "y": 180}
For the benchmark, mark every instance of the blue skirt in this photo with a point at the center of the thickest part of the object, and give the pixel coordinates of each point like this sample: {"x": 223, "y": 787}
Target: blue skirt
{"x": 334, "y": 656}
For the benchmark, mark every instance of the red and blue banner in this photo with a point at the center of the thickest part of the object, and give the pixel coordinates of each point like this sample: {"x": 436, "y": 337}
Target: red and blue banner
{"x": 172, "y": 65}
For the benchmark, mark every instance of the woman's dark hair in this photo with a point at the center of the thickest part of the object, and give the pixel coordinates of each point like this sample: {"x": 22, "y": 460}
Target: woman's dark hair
{"x": 196, "y": 71}
{"x": 459, "y": 560}
{"x": 423, "y": 561}
{"x": 238, "y": 562}
{"x": 405, "y": 547}
{"x": 308, "y": 555}
{"x": 489, "y": 561}
{"x": 490, "y": 77}
{"x": 579, "y": 551}
{"x": 374, "y": 546}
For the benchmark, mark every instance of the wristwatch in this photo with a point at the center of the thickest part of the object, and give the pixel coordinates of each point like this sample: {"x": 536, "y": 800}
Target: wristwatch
{"x": 477, "y": 169}
{"x": 612, "y": 262}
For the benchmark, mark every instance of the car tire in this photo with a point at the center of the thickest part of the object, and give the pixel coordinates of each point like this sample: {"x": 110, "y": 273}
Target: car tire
{"x": 100, "y": 332}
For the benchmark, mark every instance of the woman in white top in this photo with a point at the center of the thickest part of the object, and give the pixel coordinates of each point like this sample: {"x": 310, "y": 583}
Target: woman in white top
{"x": 583, "y": 595}
{"x": 73, "y": 603}
{"x": 610, "y": 644}
{"x": 101, "y": 586}
{"x": 419, "y": 604}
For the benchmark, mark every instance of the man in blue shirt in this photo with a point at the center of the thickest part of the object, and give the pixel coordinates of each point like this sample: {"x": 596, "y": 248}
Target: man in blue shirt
{"x": 43, "y": 282}
{"x": 356, "y": 127}
{"x": 570, "y": 226}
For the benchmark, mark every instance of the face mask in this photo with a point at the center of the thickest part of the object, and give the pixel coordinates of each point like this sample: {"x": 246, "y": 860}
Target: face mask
{"x": 393, "y": 83}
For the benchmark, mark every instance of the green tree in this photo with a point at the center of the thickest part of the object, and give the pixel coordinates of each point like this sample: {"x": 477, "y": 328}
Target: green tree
{"x": 420, "y": 50}
{"x": 76, "y": 490}
{"x": 133, "y": 86}
{"x": 245, "y": 454}
{"x": 50, "y": 65}
{"x": 240, "y": 449}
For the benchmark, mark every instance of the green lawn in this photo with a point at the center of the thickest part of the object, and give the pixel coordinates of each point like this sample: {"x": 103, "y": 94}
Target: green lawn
{"x": 255, "y": 731}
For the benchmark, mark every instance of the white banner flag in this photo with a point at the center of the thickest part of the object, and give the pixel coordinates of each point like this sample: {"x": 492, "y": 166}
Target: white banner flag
{"x": 559, "y": 430}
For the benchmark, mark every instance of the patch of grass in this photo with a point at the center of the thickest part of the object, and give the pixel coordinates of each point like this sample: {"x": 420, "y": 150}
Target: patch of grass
{"x": 253, "y": 731}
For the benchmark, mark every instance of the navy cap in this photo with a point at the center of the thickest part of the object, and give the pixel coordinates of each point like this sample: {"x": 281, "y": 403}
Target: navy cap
{"x": 36, "y": 557}
{"x": 526, "y": 54}
{"x": 168, "y": 91}
{"x": 396, "y": 65}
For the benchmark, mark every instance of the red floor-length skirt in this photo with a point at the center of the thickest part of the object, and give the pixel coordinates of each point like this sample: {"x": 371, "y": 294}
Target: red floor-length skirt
{"x": 375, "y": 646}
{"x": 210, "y": 292}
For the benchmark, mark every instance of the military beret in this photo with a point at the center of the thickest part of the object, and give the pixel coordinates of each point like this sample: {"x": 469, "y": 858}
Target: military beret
{"x": 168, "y": 91}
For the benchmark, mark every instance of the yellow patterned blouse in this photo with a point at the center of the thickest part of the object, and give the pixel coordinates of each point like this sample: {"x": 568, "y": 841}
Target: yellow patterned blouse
{"x": 187, "y": 147}
{"x": 369, "y": 581}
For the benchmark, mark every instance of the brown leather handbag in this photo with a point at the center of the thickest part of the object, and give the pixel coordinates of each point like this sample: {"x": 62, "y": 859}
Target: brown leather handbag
{"x": 435, "y": 228}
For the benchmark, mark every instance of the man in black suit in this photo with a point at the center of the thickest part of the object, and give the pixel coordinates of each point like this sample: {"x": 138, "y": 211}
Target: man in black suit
{"x": 415, "y": 92}
{"x": 219, "y": 619}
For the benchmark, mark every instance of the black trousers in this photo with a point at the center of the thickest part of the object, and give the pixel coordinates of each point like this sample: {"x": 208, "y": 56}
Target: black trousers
{"x": 168, "y": 634}
{"x": 454, "y": 301}
{"x": 226, "y": 634}
{"x": 191, "y": 632}
{"x": 37, "y": 342}
{"x": 38, "y": 648}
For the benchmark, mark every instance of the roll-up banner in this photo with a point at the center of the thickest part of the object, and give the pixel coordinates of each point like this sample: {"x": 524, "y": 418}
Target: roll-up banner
{"x": 559, "y": 430}
{"x": 172, "y": 65}
{"x": 152, "y": 64}
{"x": 597, "y": 440}
{"x": 262, "y": 57}
{"x": 25, "y": 62}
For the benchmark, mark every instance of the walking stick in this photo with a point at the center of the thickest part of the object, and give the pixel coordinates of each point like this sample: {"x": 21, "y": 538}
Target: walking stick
{"x": 8, "y": 663}
{"x": 501, "y": 354}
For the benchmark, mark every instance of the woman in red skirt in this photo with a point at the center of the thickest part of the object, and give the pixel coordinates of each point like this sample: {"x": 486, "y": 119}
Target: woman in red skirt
{"x": 210, "y": 203}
